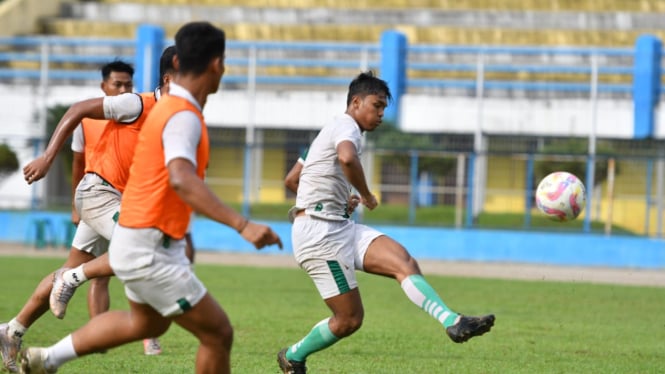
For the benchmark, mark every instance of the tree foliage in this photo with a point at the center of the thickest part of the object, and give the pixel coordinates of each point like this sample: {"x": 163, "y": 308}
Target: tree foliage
{"x": 8, "y": 161}
{"x": 54, "y": 115}
{"x": 389, "y": 137}
{"x": 573, "y": 147}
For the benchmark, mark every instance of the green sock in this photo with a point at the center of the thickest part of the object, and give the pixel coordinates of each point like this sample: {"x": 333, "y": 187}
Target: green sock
{"x": 422, "y": 294}
{"x": 319, "y": 338}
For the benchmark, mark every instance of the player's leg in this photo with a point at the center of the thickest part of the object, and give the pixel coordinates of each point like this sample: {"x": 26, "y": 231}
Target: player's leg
{"x": 11, "y": 333}
{"x": 98, "y": 296}
{"x": 98, "y": 205}
{"x": 382, "y": 255}
{"x": 325, "y": 251}
{"x": 386, "y": 257}
{"x": 105, "y": 331}
{"x": 210, "y": 324}
{"x": 86, "y": 246}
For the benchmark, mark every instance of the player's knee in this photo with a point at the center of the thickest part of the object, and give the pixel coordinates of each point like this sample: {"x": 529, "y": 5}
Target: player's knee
{"x": 227, "y": 336}
{"x": 347, "y": 325}
{"x": 411, "y": 266}
{"x": 221, "y": 336}
{"x": 407, "y": 268}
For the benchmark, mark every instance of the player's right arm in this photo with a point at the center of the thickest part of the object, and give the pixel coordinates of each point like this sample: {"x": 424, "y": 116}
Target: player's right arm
{"x": 97, "y": 108}
{"x": 353, "y": 170}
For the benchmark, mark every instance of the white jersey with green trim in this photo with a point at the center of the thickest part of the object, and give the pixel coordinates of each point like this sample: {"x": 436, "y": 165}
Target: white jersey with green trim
{"x": 323, "y": 190}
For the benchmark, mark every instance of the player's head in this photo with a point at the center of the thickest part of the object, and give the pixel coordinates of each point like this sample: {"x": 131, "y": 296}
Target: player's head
{"x": 200, "y": 49}
{"x": 166, "y": 69}
{"x": 117, "y": 78}
{"x": 367, "y": 98}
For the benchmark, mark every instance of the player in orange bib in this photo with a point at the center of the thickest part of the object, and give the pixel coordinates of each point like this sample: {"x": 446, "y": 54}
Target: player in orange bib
{"x": 99, "y": 193}
{"x": 147, "y": 251}
{"x": 116, "y": 80}
{"x": 125, "y": 114}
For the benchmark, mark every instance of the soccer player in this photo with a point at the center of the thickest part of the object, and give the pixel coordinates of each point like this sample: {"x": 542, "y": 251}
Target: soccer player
{"x": 147, "y": 247}
{"x": 89, "y": 246}
{"x": 330, "y": 246}
{"x": 116, "y": 80}
{"x": 84, "y": 142}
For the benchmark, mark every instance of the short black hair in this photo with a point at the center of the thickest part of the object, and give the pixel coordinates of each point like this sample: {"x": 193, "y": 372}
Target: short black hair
{"x": 197, "y": 43}
{"x": 367, "y": 83}
{"x": 117, "y": 66}
{"x": 166, "y": 63}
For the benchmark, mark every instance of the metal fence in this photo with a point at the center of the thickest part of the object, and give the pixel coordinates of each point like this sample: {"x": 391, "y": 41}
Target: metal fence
{"x": 428, "y": 185}
{"x": 435, "y": 186}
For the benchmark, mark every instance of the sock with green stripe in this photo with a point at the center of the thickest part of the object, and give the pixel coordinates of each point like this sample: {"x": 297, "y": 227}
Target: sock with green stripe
{"x": 319, "y": 338}
{"x": 422, "y": 294}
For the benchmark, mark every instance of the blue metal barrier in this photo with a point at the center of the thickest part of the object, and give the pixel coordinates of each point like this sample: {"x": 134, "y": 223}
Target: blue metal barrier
{"x": 352, "y": 55}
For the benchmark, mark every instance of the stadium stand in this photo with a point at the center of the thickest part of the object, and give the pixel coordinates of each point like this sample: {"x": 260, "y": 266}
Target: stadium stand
{"x": 559, "y": 23}
{"x": 506, "y": 22}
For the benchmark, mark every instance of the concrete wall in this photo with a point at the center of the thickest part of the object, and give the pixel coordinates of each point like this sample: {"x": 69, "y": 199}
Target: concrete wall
{"x": 15, "y": 13}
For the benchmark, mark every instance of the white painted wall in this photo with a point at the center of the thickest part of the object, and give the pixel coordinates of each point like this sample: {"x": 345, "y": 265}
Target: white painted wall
{"x": 310, "y": 110}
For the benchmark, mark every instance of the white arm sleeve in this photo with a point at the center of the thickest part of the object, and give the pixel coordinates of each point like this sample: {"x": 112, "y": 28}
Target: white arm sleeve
{"x": 346, "y": 131}
{"x": 78, "y": 142}
{"x": 181, "y": 137}
{"x": 125, "y": 108}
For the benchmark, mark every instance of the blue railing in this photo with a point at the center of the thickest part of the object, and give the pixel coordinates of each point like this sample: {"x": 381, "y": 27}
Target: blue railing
{"x": 614, "y": 63}
{"x": 340, "y": 58}
{"x": 44, "y": 51}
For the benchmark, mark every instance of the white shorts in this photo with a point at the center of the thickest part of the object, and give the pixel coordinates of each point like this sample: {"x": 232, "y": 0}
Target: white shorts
{"x": 155, "y": 270}
{"x": 98, "y": 204}
{"x": 88, "y": 240}
{"x": 331, "y": 251}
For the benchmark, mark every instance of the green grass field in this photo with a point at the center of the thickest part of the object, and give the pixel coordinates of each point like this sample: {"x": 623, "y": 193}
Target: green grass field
{"x": 542, "y": 327}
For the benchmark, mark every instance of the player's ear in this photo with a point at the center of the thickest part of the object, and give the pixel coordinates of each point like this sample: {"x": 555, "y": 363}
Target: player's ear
{"x": 356, "y": 101}
{"x": 217, "y": 64}
{"x": 176, "y": 63}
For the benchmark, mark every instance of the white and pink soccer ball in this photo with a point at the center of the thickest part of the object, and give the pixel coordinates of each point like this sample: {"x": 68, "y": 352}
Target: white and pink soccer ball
{"x": 561, "y": 196}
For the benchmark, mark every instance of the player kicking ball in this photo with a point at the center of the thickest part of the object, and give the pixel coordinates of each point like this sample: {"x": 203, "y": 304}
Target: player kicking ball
{"x": 330, "y": 246}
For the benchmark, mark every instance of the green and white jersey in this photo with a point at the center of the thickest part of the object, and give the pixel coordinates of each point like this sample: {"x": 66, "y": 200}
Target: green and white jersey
{"x": 323, "y": 190}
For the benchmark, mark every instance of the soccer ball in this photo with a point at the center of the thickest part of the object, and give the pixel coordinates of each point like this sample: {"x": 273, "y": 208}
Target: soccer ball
{"x": 561, "y": 196}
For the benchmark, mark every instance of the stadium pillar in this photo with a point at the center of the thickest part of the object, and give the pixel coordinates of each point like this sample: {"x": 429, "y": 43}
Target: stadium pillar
{"x": 149, "y": 47}
{"x": 646, "y": 84}
{"x": 393, "y": 70}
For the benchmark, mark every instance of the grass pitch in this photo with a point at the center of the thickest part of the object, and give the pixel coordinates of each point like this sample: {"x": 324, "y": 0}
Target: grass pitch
{"x": 542, "y": 327}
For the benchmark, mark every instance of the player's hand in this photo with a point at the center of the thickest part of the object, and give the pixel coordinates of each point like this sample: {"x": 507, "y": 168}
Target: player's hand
{"x": 260, "y": 235}
{"x": 35, "y": 170}
{"x": 352, "y": 204}
{"x": 369, "y": 201}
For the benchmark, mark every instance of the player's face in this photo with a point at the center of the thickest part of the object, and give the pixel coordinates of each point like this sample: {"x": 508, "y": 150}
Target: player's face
{"x": 368, "y": 111}
{"x": 117, "y": 83}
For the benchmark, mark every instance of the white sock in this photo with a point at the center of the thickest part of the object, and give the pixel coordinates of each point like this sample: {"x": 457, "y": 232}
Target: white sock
{"x": 59, "y": 353}
{"x": 75, "y": 277}
{"x": 16, "y": 329}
